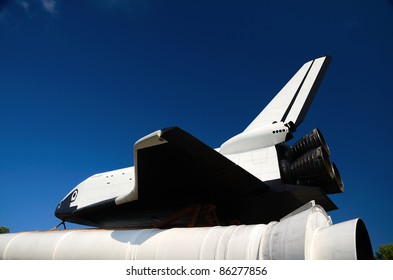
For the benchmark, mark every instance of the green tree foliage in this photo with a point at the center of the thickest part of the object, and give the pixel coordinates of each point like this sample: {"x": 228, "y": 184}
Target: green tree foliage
{"x": 385, "y": 252}
{"x": 4, "y": 229}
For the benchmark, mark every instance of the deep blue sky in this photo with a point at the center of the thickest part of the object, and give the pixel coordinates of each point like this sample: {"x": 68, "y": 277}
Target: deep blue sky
{"x": 81, "y": 81}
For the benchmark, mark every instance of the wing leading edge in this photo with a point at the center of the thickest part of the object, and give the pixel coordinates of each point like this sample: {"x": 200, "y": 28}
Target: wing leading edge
{"x": 172, "y": 165}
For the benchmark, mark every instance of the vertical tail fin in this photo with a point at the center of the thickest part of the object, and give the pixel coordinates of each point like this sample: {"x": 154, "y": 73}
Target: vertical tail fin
{"x": 294, "y": 99}
{"x": 284, "y": 113}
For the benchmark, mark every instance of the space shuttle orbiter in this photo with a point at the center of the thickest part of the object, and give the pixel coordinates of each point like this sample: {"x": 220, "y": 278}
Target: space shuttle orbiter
{"x": 254, "y": 177}
{"x": 253, "y": 198}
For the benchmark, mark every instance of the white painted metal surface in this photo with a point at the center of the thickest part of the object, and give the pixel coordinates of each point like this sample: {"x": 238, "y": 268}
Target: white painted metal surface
{"x": 252, "y": 139}
{"x": 262, "y": 163}
{"x": 298, "y": 86}
{"x": 103, "y": 186}
{"x": 306, "y": 233}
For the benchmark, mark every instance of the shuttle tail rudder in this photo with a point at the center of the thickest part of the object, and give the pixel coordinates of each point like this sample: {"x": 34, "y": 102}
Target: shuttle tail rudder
{"x": 279, "y": 119}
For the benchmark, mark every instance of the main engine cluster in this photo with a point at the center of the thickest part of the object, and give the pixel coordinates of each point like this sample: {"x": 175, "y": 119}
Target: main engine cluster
{"x": 308, "y": 163}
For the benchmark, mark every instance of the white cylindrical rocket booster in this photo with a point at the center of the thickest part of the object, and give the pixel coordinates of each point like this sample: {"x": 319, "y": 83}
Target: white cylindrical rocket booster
{"x": 306, "y": 233}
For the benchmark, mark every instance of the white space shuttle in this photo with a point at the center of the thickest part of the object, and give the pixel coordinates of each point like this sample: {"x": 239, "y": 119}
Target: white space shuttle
{"x": 254, "y": 177}
{"x": 218, "y": 203}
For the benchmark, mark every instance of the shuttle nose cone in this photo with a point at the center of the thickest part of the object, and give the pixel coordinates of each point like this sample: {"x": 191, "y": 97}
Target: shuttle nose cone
{"x": 64, "y": 208}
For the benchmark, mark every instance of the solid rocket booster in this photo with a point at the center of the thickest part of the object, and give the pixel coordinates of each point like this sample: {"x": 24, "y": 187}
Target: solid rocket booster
{"x": 306, "y": 233}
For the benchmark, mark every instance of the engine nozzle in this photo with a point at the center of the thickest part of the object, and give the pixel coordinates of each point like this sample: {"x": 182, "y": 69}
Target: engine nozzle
{"x": 313, "y": 139}
{"x": 308, "y": 163}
